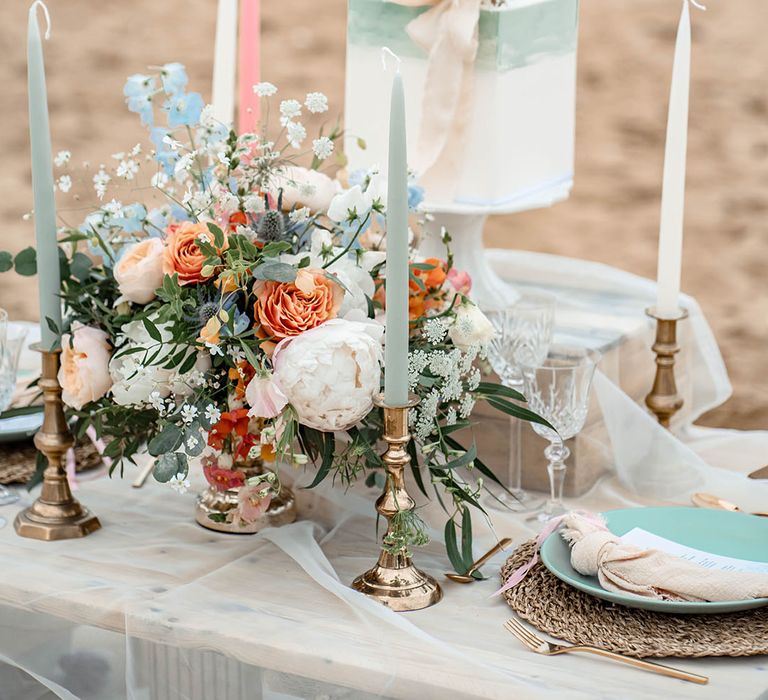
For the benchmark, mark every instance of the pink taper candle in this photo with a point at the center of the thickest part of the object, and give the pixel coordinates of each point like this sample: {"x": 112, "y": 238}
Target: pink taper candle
{"x": 250, "y": 68}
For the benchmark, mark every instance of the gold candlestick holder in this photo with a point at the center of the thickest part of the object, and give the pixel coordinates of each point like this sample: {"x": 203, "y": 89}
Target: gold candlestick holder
{"x": 394, "y": 581}
{"x": 664, "y": 401}
{"x": 56, "y": 514}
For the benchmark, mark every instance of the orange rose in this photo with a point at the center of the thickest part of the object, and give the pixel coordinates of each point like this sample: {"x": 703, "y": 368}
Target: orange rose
{"x": 182, "y": 254}
{"x": 286, "y": 309}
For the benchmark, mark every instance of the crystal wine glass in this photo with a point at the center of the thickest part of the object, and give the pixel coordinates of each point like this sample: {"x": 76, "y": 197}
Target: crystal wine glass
{"x": 523, "y": 336}
{"x": 558, "y": 390}
{"x": 11, "y": 342}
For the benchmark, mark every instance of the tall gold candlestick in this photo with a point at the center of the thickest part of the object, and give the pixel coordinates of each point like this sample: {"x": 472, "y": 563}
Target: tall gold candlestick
{"x": 394, "y": 580}
{"x": 664, "y": 400}
{"x": 56, "y": 514}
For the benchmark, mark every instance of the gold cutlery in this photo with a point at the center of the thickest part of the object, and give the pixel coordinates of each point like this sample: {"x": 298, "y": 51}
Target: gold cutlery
{"x": 708, "y": 500}
{"x": 761, "y": 473}
{"x": 144, "y": 473}
{"x": 468, "y": 578}
{"x": 542, "y": 646}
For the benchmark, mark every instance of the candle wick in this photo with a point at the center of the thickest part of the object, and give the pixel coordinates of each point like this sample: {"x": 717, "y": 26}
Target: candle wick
{"x": 386, "y": 51}
{"x": 47, "y": 16}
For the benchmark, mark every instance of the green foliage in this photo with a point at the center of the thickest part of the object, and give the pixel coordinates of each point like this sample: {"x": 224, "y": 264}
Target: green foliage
{"x": 25, "y": 262}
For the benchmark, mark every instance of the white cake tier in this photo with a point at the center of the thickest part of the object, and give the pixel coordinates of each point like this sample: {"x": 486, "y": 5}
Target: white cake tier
{"x": 519, "y": 145}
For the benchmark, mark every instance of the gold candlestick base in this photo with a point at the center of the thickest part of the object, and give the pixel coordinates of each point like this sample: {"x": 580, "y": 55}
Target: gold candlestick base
{"x": 394, "y": 581}
{"x": 664, "y": 401}
{"x": 56, "y": 514}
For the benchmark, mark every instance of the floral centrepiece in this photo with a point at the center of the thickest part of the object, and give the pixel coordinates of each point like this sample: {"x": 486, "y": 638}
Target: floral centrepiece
{"x": 235, "y": 315}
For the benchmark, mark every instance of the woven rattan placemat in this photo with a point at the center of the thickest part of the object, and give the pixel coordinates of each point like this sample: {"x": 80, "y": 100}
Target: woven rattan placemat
{"x": 17, "y": 460}
{"x": 558, "y": 609}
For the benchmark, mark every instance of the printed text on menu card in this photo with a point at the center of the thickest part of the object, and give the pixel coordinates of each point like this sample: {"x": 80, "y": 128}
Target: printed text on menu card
{"x": 647, "y": 540}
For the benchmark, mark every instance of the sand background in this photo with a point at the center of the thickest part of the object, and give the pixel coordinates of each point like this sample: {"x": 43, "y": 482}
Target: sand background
{"x": 625, "y": 58}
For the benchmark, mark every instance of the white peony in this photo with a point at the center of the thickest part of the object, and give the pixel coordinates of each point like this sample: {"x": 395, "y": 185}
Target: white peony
{"x": 306, "y": 188}
{"x": 470, "y": 327}
{"x": 331, "y": 373}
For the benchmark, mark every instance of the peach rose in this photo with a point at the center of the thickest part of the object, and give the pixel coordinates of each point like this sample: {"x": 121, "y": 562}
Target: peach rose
{"x": 84, "y": 372}
{"x": 139, "y": 272}
{"x": 287, "y": 309}
{"x": 182, "y": 254}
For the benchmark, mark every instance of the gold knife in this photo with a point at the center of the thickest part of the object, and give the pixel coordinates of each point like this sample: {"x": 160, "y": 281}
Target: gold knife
{"x": 761, "y": 473}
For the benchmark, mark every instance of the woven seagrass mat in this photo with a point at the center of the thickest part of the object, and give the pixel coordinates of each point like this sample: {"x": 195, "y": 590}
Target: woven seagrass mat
{"x": 558, "y": 609}
{"x": 17, "y": 460}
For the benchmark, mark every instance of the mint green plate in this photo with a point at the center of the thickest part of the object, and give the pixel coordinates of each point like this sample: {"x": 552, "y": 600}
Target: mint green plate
{"x": 716, "y": 531}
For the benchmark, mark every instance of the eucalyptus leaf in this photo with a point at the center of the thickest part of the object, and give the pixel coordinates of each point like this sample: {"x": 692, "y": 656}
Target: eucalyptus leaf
{"x": 195, "y": 436}
{"x": 6, "y": 261}
{"x": 169, "y": 465}
{"x": 275, "y": 271}
{"x": 80, "y": 266}
{"x": 165, "y": 442}
{"x": 25, "y": 262}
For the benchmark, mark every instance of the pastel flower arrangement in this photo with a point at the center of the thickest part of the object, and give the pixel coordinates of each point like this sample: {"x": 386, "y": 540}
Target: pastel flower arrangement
{"x": 241, "y": 317}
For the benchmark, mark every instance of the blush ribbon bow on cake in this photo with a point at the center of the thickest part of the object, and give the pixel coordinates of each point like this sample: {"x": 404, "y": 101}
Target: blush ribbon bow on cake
{"x": 626, "y": 568}
{"x": 448, "y": 32}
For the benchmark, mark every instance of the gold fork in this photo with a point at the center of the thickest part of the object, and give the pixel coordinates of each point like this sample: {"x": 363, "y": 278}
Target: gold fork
{"x": 542, "y": 646}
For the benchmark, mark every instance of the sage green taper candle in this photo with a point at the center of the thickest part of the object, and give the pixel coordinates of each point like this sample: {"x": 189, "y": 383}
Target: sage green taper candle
{"x": 42, "y": 182}
{"x": 396, "y": 338}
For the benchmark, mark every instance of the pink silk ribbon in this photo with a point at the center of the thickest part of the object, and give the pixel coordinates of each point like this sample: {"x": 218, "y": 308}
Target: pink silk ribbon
{"x": 70, "y": 462}
{"x": 448, "y": 32}
{"x": 552, "y": 525}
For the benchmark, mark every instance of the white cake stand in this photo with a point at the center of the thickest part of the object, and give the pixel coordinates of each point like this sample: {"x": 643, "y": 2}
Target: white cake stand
{"x": 465, "y": 225}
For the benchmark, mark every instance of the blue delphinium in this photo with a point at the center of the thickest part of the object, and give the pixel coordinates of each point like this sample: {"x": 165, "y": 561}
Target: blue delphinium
{"x": 184, "y": 109}
{"x": 415, "y": 195}
{"x": 139, "y": 90}
{"x": 164, "y": 154}
{"x": 131, "y": 218}
{"x": 174, "y": 78}
{"x": 158, "y": 220}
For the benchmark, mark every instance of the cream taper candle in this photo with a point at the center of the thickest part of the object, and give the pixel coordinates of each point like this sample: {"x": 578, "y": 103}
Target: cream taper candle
{"x": 396, "y": 338}
{"x": 49, "y": 281}
{"x": 673, "y": 185}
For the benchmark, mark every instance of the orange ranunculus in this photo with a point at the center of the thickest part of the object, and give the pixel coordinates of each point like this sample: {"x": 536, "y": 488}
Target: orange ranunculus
{"x": 182, "y": 254}
{"x": 433, "y": 279}
{"x": 430, "y": 293}
{"x": 230, "y": 422}
{"x": 416, "y": 306}
{"x": 287, "y": 309}
{"x": 241, "y": 375}
{"x": 236, "y": 219}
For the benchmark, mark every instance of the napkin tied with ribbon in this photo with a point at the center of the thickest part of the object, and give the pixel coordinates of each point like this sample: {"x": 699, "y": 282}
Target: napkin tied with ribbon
{"x": 448, "y": 32}
{"x": 650, "y": 573}
{"x": 626, "y": 568}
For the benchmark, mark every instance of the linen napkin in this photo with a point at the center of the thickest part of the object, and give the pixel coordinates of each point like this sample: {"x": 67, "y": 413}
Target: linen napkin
{"x": 626, "y": 568}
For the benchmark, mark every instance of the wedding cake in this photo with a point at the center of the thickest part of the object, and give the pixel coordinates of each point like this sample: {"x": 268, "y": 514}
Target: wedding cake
{"x": 490, "y": 97}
